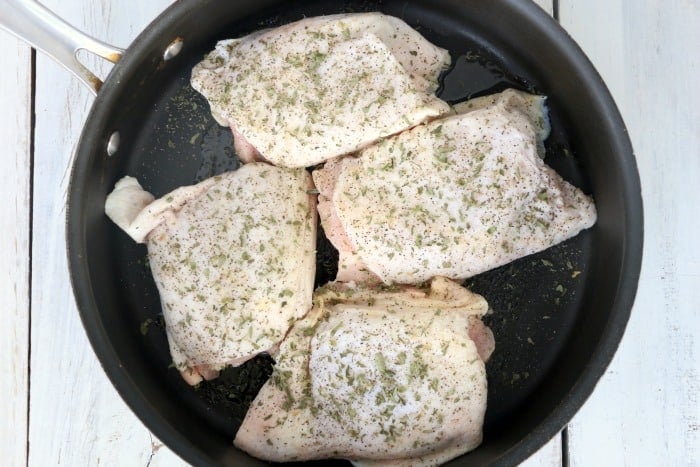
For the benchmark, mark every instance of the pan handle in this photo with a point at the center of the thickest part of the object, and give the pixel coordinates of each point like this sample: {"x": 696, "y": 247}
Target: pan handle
{"x": 36, "y": 25}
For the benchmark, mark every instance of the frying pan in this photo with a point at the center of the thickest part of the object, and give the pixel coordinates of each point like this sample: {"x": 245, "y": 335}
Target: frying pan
{"x": 558, "y": 316}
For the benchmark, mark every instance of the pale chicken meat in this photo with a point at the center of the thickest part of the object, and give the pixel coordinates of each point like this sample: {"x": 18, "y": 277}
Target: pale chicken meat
{"x": 321, "y": 87}
{"x": 454, "y": 197}
{"x": 233, "y": 258}
{"x": 376, "y": 376}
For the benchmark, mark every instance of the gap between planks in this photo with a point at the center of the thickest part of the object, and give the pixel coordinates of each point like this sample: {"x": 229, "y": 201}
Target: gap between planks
{"x": 15, "y": 172}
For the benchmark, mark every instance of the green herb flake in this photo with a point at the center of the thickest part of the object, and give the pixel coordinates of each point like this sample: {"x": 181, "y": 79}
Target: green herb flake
{"x": 444, "y": 347}
{"x": 286, "y": 293}
{"x": 144, "y": 326}
{"x": 401, "y": 358}
{"x": 380, "y": 362}
{"x": 442, "y": 152}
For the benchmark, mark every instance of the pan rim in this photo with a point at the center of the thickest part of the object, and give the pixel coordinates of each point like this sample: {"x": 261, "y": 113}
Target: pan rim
{"x": 552, "y": 423}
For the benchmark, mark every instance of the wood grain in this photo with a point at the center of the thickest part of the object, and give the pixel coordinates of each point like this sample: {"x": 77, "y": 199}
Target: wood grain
{"x": 645, "y": 411}
{"x": 549, "y": 455}
{"x": 76, "y": 416}
{"x": 15, "y": 166}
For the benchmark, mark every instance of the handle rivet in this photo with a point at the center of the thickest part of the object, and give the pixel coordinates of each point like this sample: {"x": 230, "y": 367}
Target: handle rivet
{"x": 113, "y": 144}
{"x": 173, "y": 49}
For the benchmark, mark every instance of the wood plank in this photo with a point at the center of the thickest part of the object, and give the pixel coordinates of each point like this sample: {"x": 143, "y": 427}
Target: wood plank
{"x": 76, "y": 416}
{"x": 546, "y": 5}
{"x": 549, "y": 455}
{"x": 645, "y": 411}
{"x": 15, "y": 100}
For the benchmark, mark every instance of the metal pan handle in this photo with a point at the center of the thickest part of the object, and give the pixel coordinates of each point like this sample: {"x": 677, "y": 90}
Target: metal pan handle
{"x": 36, "y": 25}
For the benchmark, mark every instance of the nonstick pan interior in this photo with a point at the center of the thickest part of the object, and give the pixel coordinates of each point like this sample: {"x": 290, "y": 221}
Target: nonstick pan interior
{"x": 557, "y": 316}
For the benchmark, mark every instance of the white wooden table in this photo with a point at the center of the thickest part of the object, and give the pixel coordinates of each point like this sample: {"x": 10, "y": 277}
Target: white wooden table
{"x": 58, "y": 408}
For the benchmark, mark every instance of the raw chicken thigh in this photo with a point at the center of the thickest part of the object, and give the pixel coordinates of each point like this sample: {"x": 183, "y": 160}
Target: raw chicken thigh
{"x": 454, "y": 197}
{"x": 308, "y": 91}
{"x": 379, "y": 377}
{"x": 233, "y": 258}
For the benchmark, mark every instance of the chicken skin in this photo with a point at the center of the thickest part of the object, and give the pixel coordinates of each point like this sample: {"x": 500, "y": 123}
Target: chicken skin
{"x": 321, "y": 87}
{"x": 233, "y": 258}
{"x": 379, "y": 377}
{"x": 454, "y": 197}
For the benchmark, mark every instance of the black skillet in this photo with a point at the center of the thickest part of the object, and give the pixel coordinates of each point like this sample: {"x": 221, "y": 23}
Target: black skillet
{"x": 558, "y": 316}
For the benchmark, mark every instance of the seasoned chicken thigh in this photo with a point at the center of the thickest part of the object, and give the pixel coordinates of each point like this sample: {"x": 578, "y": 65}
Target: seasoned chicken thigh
{"x": 314, "y": 89}
{"x": 233, "y": 258}
{"x": 379, "y": 377}
{"x": 453, "y": 197}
